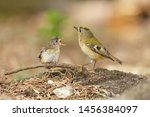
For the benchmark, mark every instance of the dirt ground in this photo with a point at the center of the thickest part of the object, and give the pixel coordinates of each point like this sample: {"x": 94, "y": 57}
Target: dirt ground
{"x": 85, "y": 84}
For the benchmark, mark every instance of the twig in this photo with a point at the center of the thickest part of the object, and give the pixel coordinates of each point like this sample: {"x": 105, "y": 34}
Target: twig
{"x": 49, "y": 66}
{"x": 23, "y": 69}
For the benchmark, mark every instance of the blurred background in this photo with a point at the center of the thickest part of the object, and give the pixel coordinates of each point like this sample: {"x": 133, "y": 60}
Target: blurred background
{"x": 123, "y": 26}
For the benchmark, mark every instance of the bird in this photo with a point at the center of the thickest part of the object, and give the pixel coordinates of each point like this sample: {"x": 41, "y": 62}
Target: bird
{"x": 92, "y": 47}
{"x": 50, "y": 53}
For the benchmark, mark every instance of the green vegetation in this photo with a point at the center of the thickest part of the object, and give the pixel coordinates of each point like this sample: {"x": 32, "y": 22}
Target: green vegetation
{"x": 53, "y": 28}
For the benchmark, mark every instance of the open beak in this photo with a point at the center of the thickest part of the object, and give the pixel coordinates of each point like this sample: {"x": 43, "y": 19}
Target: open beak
{"x": 76, "y": 28}
{"x": 61, "y": 43}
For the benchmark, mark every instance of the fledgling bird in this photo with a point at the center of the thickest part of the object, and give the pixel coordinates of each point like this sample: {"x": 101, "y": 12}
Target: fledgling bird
{"x": 92, "y": 47}
{"x": 50, "y": 53}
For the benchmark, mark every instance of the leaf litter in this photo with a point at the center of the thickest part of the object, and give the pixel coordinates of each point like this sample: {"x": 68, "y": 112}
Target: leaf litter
{"x": 70, "y": 84}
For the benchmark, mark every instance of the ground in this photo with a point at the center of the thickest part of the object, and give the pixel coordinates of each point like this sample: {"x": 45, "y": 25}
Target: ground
{"x": 85, "y": 84}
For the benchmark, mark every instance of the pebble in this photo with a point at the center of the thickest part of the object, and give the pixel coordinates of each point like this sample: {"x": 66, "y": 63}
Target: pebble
{"x": 63, "y": 92}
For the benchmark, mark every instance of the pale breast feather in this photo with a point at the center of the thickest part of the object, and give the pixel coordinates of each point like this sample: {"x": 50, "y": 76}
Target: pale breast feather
{"x": 50, "y": 55}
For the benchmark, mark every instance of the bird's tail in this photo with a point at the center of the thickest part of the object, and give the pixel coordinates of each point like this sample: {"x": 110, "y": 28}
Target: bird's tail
{"x": 116, "y": 59}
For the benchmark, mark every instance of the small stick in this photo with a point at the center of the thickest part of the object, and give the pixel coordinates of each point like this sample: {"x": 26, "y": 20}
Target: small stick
{"x": 39, "y": 66}
{"x": 23, "y": 69}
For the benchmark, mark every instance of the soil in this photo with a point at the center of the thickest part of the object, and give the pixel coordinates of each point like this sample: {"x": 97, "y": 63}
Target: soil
{"x": 87, "y": 85}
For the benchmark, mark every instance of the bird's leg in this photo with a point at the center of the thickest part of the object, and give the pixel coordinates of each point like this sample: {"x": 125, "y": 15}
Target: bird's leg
{"x": 91, "y": 61}
{"x": 94, "y": 64}
{"x": 55, "y": 63}
{"x": 52, "y": 63}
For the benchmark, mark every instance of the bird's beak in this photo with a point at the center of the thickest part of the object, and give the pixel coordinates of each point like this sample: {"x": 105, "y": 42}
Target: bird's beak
{"x": 61, "y": 43}
{"x": 76, "y": 28}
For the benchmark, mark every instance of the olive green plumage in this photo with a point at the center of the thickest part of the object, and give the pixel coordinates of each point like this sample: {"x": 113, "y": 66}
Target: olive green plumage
{"x": 92, "y": 47}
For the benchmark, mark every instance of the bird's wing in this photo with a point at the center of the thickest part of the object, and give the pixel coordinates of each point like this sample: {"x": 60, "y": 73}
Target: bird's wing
{"x": 43, "y": 49}
{"x": 99, "y": 49}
